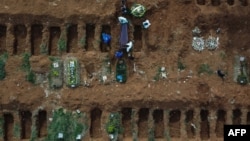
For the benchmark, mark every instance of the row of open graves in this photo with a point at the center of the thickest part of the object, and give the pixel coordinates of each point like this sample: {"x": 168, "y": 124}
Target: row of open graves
{"x": 127, "y": 124}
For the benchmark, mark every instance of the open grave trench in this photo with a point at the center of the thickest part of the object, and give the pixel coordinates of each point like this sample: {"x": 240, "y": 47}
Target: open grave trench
{"x": 138, "y": 123}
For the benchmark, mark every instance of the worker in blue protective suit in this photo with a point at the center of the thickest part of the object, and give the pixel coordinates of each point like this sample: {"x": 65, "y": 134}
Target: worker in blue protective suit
{"x": 106, "y": 38}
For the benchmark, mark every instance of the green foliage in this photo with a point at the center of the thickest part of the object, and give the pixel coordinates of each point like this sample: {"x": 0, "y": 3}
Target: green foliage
{"x": 31, "y": 77}
{"x": 167, "y": 136}
{"x": 17, "y": 130}
{"x": 33, "y": 134}
{"x": 204, "y": 68}
{"x": 151, "y": 135}
{"x": 62, "y": 44}
{"x": 158, "y": 74}
{"x": 44, "y": 48}
{"x": 55, "y": 73}
{"x": 67, "y": 123}
{"x": 223, "y": 55}
{"x": 161, "y": 73}
{"x": 1, "y": 127}
{"x": 52, "y": 58}
{"x": 113, "y": 126}
{"x": 26, "y": 62}
{"x": 83, "y": 42}
{"x": 4, "y": 56}
{"x": 3, "y": 59}
{"x": 180, "y": 65}
{"x": 2, "y": 70}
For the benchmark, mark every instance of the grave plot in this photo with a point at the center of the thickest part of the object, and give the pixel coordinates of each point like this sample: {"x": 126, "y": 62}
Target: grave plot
{"x": 126, "y": 122}
{"x": 26, "y": 122}
{"x": 215, "y": 2}
{"x": 190, "y": 124}
{"x": 41, "y": 124}
{"x": 72, "y": 42}
{"x": 237, "y": 116}
{"x": 221, "y": 120}
{"x": 95, "y": 128}
{"x": 3, "y": 29}
{"x": 230, "y": 2}
{"x": 201, "y": 2}
{"x": 20, "y": 33}
{"x": 90, "y": 34}
{"x": 105, "y": 47}
{"x": 8, "y": 126}
{"x": 174, "y": 123}
{"x": 137, "y": 38}
{"x": 36, "y": 38}
{"x": 158, "y": 123}
{"x": 143, "y": 123}
{"x": 204, "y": 125}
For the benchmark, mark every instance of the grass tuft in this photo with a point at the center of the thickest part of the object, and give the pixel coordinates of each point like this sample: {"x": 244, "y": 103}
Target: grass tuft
{"x": 113, "y": 126}
{"x": 205, "y": 68}
{"x": 67, "y": 123}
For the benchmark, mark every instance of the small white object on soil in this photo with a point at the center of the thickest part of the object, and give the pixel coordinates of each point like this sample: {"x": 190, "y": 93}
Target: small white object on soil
{"x": 242, "y": 58}
{"x": 146, "y": 24}
{"x": 78, "y": 137}
{"x": 60, "y": 135}
{"x": 78, "y": 111}
{"x": 111, "y": 136}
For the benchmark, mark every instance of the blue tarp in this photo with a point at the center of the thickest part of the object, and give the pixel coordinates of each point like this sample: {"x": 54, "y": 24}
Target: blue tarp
{"x": 124, "y": 35}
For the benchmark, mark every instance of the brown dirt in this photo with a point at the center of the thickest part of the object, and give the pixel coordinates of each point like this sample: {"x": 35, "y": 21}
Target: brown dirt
{"x": 25, "y": 25}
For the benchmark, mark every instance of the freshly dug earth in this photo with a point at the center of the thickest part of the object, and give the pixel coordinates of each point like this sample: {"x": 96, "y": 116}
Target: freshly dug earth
{"x": 25, "y": 25}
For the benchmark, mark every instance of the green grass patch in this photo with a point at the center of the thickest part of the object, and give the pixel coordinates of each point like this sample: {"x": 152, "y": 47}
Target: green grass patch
{"x": 83, "y": 42}
{"x": 158, "y": 74}
{"x": 151, "y": 135}
{"x": 180, "y": 65}
{"x": 67, "y": 123}
{"x": 17, "y": 130}
{"x": 26, "y": 62}
{"x": 62, "y": 42}
{"x": 62, "y": 45}
{"x": 3, "y": 59}
{"x": 113, "y": 125}
{"x": 223, "y": 55}
{"x": 1, "y": 127}
{"x": 205, "y": 68}
{"x": 30, "y": 76}
{"x": 33, "y": 133}
{"x": 2, "y": 70}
